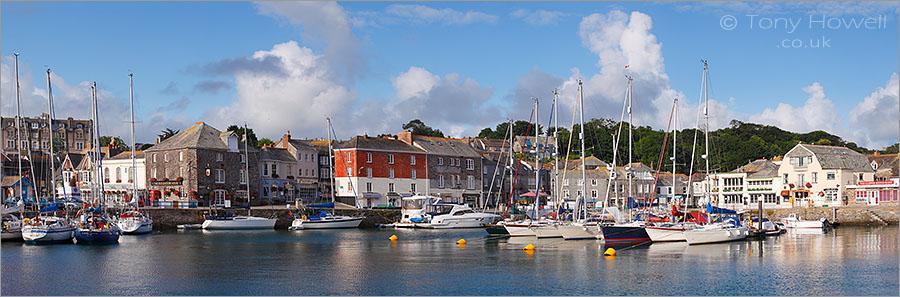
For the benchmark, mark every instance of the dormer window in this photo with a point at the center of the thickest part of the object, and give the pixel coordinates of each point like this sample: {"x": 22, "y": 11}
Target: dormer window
{"x": 874, "y": 165}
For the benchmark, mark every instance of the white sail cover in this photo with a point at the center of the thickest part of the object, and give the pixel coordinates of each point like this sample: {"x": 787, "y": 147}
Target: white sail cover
{"x": 18, "y": 208}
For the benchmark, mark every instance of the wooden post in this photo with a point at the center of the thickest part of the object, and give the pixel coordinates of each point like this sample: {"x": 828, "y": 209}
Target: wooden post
{"x": 760, "y": 229}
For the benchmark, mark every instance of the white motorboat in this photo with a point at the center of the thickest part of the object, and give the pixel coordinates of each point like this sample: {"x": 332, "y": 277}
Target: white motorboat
{"x": 325, "y": 221}
{"x": 668, "y": 232}
{"x": 726, "y": 231}
{"x": 47, "y": 229}
{"x": 135, "y": 222}
{"x": 794, "y": 221}
{"x": 237, "y": 223}
{"x": 768, "y": 227}
{"x": 451, "y": 215}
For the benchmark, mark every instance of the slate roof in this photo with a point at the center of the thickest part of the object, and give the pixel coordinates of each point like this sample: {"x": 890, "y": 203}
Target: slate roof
{"x": 887, "y": 165}
{"x": 759, "y": 169}
{"x": 837, "y": 157}
{"x": 377, "y": 143}
{"x": 665, "y": 179}
{"x": 126, "y": 155}
{"x": 201, "y": 136}
{"x": 276, "y": 154}
{"x": 444, "y": 146}
{"x": 591, "y": 161}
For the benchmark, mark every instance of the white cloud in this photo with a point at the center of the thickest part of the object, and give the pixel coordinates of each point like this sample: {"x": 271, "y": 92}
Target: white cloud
{"x": 538, "y": 17}
{"x": 74, "y": 100}
{"x": 325, "y": 22}
{"x": 817, "y": 113}
{"x": 298, "y": 100}
{"x": 415, "y": 82}
{"x": 829, "y": 8}
{"x": 876, "y": 117}
{"x": 428, "y": 15}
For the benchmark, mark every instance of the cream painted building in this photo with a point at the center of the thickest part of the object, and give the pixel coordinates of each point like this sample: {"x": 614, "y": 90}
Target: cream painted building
{"x": 744, "y": 187}
{"x": 819, "y": 175}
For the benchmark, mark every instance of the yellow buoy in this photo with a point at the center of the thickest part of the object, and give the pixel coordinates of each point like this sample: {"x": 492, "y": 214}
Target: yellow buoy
{"x": 610, "y": 252}
{"x": 393, "y": 238}
{"x": 529, "y": 247}
{"x": 461, "y": 241}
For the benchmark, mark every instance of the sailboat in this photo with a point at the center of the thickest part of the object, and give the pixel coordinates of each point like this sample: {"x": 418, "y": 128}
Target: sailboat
{"x": 49, "y": 229}
{"x": 581, "y": 226}
{"x": 134, "y": 221}
{"x": 231, "y": 222}
{"x": 12, "y": 225}
{"x": 670, "y": 231}
{"x": 631, "y": 232}
{"x": 500, "y": 227}
{"x": 325, "y": 220}
{"x": 729, "y": 228}
{"x": 96, "y": 227}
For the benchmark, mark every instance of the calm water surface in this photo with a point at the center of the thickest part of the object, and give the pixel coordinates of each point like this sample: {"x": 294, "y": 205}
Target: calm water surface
{"x": 846, "y": 261}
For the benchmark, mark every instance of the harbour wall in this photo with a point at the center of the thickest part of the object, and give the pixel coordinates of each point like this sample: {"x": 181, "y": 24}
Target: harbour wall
{"x": 847, "y": 215}
{"x": 168, "y": 218}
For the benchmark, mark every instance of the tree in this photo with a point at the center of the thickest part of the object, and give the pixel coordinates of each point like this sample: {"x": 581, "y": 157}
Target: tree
{"x": 419, "y": 128}
{"x": 891, "y": 149}
{"x": 168, "y": 132}
{"x": 105, "y": 140}
{"x": 239, "y": 131}
{"x": 264, "y": 142}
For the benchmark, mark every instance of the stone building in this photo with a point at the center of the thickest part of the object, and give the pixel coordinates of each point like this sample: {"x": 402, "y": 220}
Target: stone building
{"x": 497, "y": 173}
{"x": 35, "y": 135}
{"x": 454, "y": 167}
{"x": 203, "y": 164}
{"x": 305, "y": 171}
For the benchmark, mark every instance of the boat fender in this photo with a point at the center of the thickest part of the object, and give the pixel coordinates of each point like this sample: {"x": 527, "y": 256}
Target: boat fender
{"x": 304, "y": 217}
{"x": 26, "y": 221}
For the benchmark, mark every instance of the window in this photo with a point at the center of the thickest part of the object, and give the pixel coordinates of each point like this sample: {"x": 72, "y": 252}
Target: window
{"x": 220, "y": 197}
{"x": 265, "y": 169}
{"x": 368, "y": 157}
{"x": 390, "y": 158}
{"x": 412, "y": 187}
{"x": 470, "y": 164}
{"x": 34, "y": 135}
{"x": 154, "y": 158}
{"x": 46, "y": 145}
{"x": 566, "y": 193}
{"x": 369, "y": 171}
{"x": 166, "y": 157}
{"x": 860, "y": 177}
{"x": 440, "y": 160}
{"x": 243, "y": 176}
{"x": 390, "y": 172}
{"x": 153, "y": 172}
{"x": 593, "y": 193}
{"x": 130, "y": 174}
{"x": 800, "y": 178}
{"x": 265, "y": 189}
{"x": 79, "y": 145}
{"x": 166, "y": 171}
{"x": 220, "y": 176}
{"x": 180, "y": 156}
{"x": 829, "y": 176}
{"x": 815, "y": 177}
{"x": 458, "y": 162}
{"x": 390, "y": 187}
{"x": 565, "y": 182}
{"x": 368, "y": 187}
{"x": 580, "y": 182}
{"x": 470, "y": 182}
{"x": 274, "y": 169}
{"x": 412, "y": 160}
{"x": 785, "y": 181}
{"x": 593, "y": 182}
{"x": 440, "y": 181}
{"x": 181, "y": 172}
{"x": 218, "y": 157}
{"x": 412, "y": 174}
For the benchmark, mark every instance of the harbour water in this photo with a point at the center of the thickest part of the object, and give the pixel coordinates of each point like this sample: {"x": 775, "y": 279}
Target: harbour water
{"x": 845, "y": 261}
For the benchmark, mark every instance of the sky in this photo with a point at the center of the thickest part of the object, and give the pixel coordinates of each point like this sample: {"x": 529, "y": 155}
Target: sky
{"x": 457, "y": 66}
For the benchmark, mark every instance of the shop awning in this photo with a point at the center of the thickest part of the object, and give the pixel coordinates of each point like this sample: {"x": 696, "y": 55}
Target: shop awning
{"x": 785, "y": 193}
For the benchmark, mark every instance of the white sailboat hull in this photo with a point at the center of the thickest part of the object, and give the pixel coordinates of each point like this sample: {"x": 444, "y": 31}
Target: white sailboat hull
{"x": 519, "y": 230}
{"x": 576, "y": 231}
{"x": 665, "y": 234}
{"x": 48, "y": 234}
{"x": 803, "y": 224}
{"x": 336, "y": 223}
{"x": 11, "y": 234}
{"x": 701, "y": 236}
{"x": 135, "y": 225}
{"x": 239, "y": 223}
{"x": 546, "y": 231}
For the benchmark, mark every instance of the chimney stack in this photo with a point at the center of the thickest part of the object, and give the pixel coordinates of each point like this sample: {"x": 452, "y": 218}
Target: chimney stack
{"x": 405, "y": 136}
{"x": 286, "y": 139}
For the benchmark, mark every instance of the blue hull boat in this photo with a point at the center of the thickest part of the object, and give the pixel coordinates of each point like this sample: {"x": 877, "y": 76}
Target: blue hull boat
{"x": 97, "y": 236}
{"x": 624, "y": 235}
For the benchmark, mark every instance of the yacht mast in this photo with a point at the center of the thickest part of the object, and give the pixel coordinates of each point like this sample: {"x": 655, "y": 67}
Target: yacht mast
{"x": 584, "y": 194}
{"x": 133, "y": 148}
{"x": 50, "y": 119}
{"x": 537, "y": 160}
{"x": 330, "y": 165}
{"x": 706, "y": 130}
{"x": 512, "y": 177}
{"x": 22, "y": 190}
{"x": 556, "y": 148}
{"x": 247, "y": 164}
{"x": 674, "y": 141}
{"x": 628, "y": 172}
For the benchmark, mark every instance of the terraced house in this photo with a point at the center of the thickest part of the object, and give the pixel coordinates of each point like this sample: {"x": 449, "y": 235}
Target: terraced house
{"x": 378, "y": 171}
{"x": 202, "y": 165}
{"x": 454, "y": 167}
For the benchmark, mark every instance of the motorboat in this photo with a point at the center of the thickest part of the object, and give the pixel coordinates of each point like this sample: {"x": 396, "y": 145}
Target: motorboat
{"x": 232, "y": 222}
{"x": 135, "y": 222}
{"x": 12, "y": 225}
{"x": 794, "y": 221}
{"x": 769, "y": 228}
{"x": 325, "y": 220}
{"x": 729, "y": 229}
{"x": 451, "y": 215}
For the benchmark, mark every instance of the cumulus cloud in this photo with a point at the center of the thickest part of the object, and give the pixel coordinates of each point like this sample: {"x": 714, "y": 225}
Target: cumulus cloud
{"x": 538, "y": 17}
{"x": 876, "y": 117}
{"x": 298, "y": 100}
{"x": 817, "y": 113}
{"x": 427, "y": 15}
{"x": 327, "y": 23}
{"x": 74, "y": 100}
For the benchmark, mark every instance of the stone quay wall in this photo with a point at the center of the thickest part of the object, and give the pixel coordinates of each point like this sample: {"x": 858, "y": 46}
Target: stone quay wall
{"x": 168, "y": 218}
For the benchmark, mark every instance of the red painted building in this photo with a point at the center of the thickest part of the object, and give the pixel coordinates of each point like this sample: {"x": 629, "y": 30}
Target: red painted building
{"x": 378, "y": 171}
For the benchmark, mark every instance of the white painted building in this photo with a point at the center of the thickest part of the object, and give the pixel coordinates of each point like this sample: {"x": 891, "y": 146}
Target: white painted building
{"x": 118, "y": 176}
{"x": 819, "y": 175}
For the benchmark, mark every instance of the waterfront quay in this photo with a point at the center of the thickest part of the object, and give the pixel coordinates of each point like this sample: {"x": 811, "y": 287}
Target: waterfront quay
{"x": 849, "y": 260}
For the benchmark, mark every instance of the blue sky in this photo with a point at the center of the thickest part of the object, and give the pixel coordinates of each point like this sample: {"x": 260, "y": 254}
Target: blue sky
{"x": 459, "y": 66}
